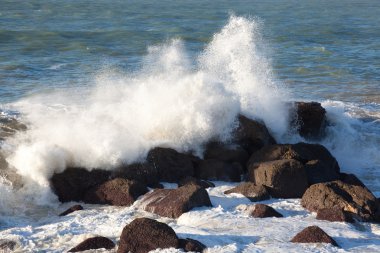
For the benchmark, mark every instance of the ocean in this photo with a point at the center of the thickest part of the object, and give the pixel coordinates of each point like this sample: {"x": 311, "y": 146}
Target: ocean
{"x": 97, "y": 83}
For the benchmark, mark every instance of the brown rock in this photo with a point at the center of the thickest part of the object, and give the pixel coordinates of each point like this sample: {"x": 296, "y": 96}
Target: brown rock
{"x": 98, "y": 242}
{"x": 143, "y": 235}
{"x": 226, "y": 153}
{"x": 171, "y": 165}
{"x": 313, "y": 234}
{"x": 334, "y": 214}
{"x": 283, "y": 178}
{"x": 192, "y": 180}
{"x": 264, "y": 211}
{"x": 190, "y": 245}
{"x": 218, "y": 170}
{"x": 357, "y": 200}
{"x": 310, "y": 119}
{"x": 117, "y": 192}
{"x": 71, "y": 210}
{"x": 142, "y": 172}
{"x": 252, "y": 191}
{"x": 73, "y": 183}
{"x": 173, "y": 203}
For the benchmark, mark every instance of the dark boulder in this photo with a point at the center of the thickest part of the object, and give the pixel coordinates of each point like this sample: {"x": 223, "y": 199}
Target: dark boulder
{"x": 194, "y": 181}
{"x": 351, "y": 179}
{"x": 313, "y": 234}
{"x": 356, "y": 200}
{"x": 143, "y": 235}
{"x": 173, "y": 203}
{"x": 118, "y": 192}
{"x": 334, "y": 214}
{"x": 284, "y": 178}
{"x": 71, "y": 210}
{"x": 226, "y": 153}
{"x": 310, "y": 119}
{"x": 73, "y": 183}
{"x": 264, "y": 211}
{"x": 171, "y": 165}
{"x": 98, "y": 242}
{"x": 142, "y": 172}
{"x": 252, "y": 191}
{"x": 190, "y": 245}
{"x": 218, "y": 170}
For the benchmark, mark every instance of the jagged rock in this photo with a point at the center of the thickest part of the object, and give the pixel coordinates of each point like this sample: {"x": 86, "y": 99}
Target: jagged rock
{"x": 98, "y": 242}
{"x": 223, "y": 152}
{"x": 313, "y": 234}
{"x": 252, "y": 135}
{"x": 252, "y": 191}
{"x": 142, "y": 172}
{"x": 357, "y": 200}
{"x": 334, "y": 214}
{"x": 71, "y": 210}
{"x": 310, "y": 119}
{"x": 190, "y": 245}
{"x": 73, "y": 183}
{"x": 319, "y": 164}
{"x": 143, "y": 235}
{"x": 194, "y": 181}
{"x": 218, "y": 170}
{"x": 264, "y": 211}
{"x": 283, "y": 178}
{"x": 173, "y": 203}
{"x": 118, "y": 192}
{"x": 171, "y": 165}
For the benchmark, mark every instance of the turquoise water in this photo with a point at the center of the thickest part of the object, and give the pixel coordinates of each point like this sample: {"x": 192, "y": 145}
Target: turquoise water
{"x": 319, "y": 49}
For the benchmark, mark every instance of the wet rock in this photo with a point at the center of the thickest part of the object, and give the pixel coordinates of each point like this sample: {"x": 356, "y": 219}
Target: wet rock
{"x": 73, "y": 183}
{"x": 143, "y": 235}
{"x": 218, "y": 171}
{"x": 173, "y": 203}
{"x": 334, "y": 214}
{"x": 283, "y": 178}
{"x": 252, "y": 191}
{"x": 252, "y": 135}
{"x": 190, "y": 245}
{"x": 171, "y": 165}
{"x": 264, "y": 211}
{"x": 142, "y": 172}
{"x": 319, "y": 164}
{"x": 351, "y": 179}
{"x": 10, "y": 126}
{"x": 194, "y": 181}
{"x": 226, "y": 153}
{"x": 98, "y": 242}
{"x": 356, "y": 200}
{"x": 71, "y": 210}
{"x": 313, "y": 234}
{"x": 118, "y": 192}
{"x": 7, "y": 245}
{"x": 310, "y": 119}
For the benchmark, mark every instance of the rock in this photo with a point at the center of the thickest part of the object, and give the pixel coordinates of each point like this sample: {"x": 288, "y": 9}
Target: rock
{"x": 356, "y": 200}
{"x": 192, "y": 180}
{"x": 252, "y": 191}
{"x": 173, "y": 203}
{"x": 351, "y": 179}
{"x": 73, "y": 183}
{"x": 7, "y": 245}
{"x": 142, "y": 172}
{"x": 143, "y": 235}
{"x": 190, "y": 245}
{"x": 310, "y": 119}
{"x": 334, "y": 214}
{"x": 223, "y": 152}
{"x": 319, "y": 164}
{"x": 117, "y": 192}
{"x": 171, "y": 165}
{"x": 9, "y": 126}
{"x": 313, "y": 234}
{"x": 264, "y": 211}
{"x": 252, "y": 135}
{"x": 218, "y": 170}
{"x": 71, "y": 210}
{"x": 98, "y": 242}
{"x": 283, "y": 178}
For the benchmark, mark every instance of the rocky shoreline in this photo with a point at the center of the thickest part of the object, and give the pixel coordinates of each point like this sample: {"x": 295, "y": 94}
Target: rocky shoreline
{"x": 264, "y": 168}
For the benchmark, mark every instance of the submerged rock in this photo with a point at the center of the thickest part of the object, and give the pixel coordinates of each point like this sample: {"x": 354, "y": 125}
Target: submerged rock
{"x": 98, "y": 242}
{"x": 71, "y": 210}
{"x": 143, "y": 235}
{"x": 252, "y": 191}
{"x": 173, "y": 203}
{"x": 310, "y": 119}
{"x": 190, "y": 245}
{"x": 313, "y": 234}
{"x": 264, "y": 211}
{"x": 7, "y": 245}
